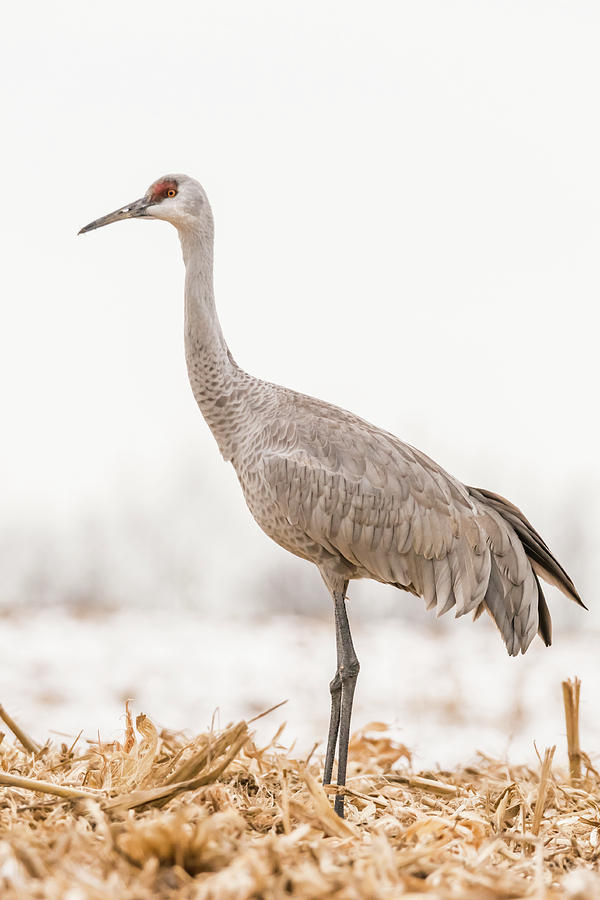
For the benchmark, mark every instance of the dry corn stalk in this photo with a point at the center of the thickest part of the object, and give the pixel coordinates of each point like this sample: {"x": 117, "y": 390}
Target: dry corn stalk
{"x": 45, "y": 787}
{"x": 571, "y": 691}
{"x": 543, "y": 789}
{"x": 29, "y": 744}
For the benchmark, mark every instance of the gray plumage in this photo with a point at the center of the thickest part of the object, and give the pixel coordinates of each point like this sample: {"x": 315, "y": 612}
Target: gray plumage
{"x": 355, "y": 500}
{"x": 359, "y": 503}
{"x": 346, "y": 495}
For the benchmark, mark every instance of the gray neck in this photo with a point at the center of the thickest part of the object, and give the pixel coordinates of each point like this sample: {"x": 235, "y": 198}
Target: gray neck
{"x": 214, "y": 376}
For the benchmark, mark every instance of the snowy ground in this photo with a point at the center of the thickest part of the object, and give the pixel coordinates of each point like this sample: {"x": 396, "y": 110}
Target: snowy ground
{"x": 447, "y": 694}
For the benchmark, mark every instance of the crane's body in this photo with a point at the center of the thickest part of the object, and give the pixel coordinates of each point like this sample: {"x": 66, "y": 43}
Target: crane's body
{"x": 346, "y": 495}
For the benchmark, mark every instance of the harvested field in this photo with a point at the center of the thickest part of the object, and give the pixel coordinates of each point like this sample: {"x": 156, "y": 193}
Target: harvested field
{"x": 215, "y": 816}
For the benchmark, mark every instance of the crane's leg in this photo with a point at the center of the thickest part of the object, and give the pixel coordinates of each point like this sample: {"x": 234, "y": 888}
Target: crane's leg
{"x": 342, "y": 694}
{"x": 335, "y": 688}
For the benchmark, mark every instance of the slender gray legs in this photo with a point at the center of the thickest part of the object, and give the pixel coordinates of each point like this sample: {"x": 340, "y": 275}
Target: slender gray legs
{"x": 342, "y": 694}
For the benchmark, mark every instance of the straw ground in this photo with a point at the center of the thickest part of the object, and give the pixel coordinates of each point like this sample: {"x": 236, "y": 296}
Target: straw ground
{"x": 161, "y": 815}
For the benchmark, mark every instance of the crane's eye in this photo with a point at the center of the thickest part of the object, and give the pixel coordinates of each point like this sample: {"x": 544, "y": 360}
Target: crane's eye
{"x": 171, "y": 192}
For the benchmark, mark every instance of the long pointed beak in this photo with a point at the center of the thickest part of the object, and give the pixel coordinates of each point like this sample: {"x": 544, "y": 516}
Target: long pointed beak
{"x": 133, "y": 210}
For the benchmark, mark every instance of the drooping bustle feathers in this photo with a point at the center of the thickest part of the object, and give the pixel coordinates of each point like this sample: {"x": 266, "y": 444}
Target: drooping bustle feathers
{"x": 543, "y": 563}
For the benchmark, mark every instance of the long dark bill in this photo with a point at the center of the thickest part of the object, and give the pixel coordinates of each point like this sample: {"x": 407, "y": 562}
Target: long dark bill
{"x": 134, "y": 210}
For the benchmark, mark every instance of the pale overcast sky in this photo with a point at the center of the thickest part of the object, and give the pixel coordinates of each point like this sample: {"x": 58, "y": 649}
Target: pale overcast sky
{"x": 407, "y": 206}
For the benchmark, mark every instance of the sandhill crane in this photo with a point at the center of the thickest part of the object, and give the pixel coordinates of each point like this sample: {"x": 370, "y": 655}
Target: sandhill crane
{"x": 351, "y": 498}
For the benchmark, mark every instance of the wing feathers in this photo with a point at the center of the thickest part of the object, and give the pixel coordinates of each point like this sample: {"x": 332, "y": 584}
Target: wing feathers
{"x": 394, "y": 515}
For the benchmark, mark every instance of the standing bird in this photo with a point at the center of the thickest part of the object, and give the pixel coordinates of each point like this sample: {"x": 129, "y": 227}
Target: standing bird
{"x": 351, "y": 498}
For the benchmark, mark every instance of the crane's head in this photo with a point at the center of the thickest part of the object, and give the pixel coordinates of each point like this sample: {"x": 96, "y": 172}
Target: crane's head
{"x": 178, "y": 199}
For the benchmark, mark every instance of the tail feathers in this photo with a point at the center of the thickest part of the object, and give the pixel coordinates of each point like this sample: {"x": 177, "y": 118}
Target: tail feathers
{"x": 520, "y": 610}
{"x": 513, "y": 607}
{"x": 478, "y": 611}
{"x": 545, "y": 622}
{"x": 501, "y": 609}
{"x": 542, "y": 560}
